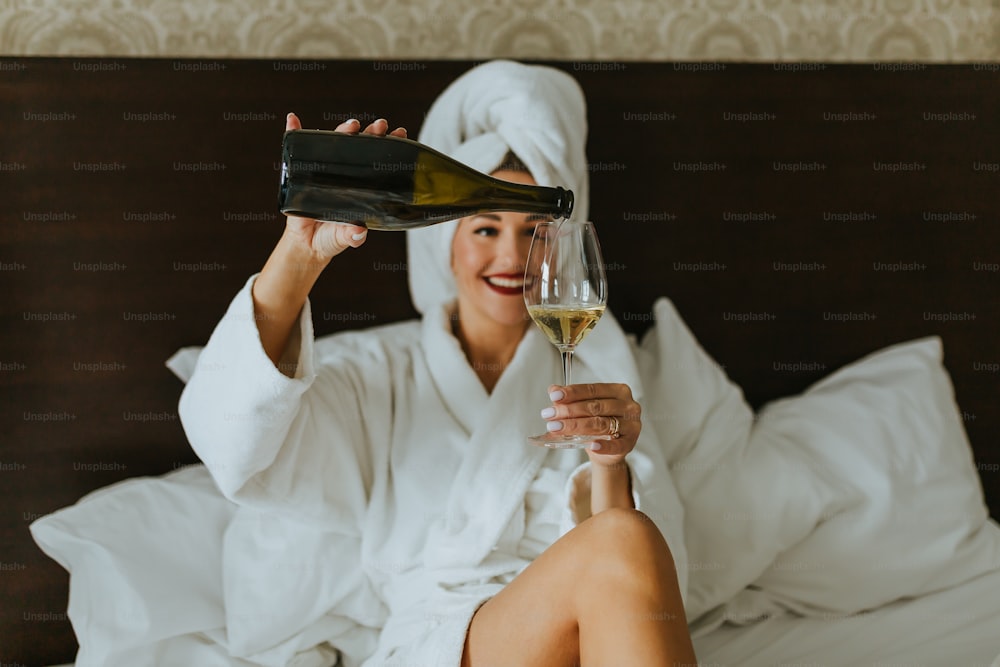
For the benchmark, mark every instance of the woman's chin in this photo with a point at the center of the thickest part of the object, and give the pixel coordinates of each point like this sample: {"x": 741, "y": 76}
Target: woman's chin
{"x": 507, "y": 312}
{"x": 512, "y": 318}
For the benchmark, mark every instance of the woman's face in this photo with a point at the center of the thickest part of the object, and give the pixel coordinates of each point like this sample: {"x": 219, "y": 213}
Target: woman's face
{"x": 488, "y": 255}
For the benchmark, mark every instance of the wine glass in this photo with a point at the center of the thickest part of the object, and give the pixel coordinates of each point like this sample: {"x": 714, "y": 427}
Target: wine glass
{"x": 565, "y": 290}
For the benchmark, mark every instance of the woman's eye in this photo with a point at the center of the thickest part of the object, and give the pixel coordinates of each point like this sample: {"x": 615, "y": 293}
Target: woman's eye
{"x": 485, "y": 231}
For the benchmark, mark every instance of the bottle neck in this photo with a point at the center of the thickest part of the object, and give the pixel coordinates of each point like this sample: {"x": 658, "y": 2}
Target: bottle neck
{"x": 554, "y": 201}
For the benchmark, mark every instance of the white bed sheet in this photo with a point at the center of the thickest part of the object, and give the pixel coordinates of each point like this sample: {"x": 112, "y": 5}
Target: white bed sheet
{"x": 957, "y": 627}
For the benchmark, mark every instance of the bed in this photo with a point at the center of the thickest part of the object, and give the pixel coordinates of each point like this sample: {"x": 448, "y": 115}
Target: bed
{"x": 799, "y": 216}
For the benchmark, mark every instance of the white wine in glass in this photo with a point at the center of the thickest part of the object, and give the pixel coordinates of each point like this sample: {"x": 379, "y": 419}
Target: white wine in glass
{"x": 565, "y": 291}
{"x": 565, "y": 326}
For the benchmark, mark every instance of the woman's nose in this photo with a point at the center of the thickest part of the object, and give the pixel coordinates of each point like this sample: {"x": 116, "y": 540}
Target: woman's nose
{"x": 512, "y": 253}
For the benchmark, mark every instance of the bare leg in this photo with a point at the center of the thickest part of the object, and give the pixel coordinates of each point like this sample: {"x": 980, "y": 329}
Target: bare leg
{"x": 604, "y": 595}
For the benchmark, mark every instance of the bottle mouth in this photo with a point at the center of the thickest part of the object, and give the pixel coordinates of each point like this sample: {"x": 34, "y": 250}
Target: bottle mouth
{"x": 566, "y": 201}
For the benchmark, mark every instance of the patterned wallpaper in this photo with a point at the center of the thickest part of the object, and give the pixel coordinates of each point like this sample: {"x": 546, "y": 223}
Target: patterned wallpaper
{"x": 792, "y": 30}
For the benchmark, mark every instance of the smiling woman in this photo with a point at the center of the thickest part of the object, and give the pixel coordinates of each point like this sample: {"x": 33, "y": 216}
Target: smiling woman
{"x": 484, "y": 365}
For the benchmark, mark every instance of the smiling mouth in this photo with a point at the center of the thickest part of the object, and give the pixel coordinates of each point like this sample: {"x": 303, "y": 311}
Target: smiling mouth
{"x": 507, "y": 282}
{"x": 509, "y": 285}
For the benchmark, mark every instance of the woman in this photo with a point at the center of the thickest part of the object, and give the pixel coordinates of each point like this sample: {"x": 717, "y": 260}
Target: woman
{"x": 479, "y": 549}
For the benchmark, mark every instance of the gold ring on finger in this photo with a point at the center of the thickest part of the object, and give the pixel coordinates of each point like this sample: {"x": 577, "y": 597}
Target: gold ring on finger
{"x": 615, "y": 427}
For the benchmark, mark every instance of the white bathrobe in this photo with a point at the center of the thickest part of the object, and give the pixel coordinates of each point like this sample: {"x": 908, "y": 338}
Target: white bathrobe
{"x": 387, "y": 440}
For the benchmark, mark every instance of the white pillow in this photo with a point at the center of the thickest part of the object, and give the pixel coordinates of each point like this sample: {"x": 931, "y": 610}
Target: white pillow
{"x": 152, "y": 568}
{"x": 745, "y": 499}
{"x": 812, "y": 503}
{"x": 182, "y": 362}
{"x": 143, "y": 557}
{"x": 913, "y": 520}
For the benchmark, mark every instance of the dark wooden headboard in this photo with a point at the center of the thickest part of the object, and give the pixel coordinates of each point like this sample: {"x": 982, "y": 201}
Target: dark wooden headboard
{"x": 799, "y": 216}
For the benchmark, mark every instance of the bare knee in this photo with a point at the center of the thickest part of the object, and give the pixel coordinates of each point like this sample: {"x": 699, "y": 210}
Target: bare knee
{"x": 627, "y": 537}
{"x": 625, "y": 556}
{"x": 629, "y": 527}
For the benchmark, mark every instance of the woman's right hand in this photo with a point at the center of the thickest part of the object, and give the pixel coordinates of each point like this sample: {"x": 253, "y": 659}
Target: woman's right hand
{"x": 302, "y": 253}
{"x": 327, "y": 240}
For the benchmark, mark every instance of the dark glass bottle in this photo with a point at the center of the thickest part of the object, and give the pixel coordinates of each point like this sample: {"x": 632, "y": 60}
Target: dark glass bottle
{"x": 393, "y": 183}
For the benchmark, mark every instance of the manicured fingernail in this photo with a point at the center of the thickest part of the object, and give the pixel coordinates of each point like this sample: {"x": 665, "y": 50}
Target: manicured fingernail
{"x": 352, "y": 120}
{"x": 289, "y": 116}
{"x": 358, "y": 236}
{"x": 556, "y": 395}
{"x": 548, "y": 412}
{"x": 554, "y": 426}
{"x": 595, "y": 446}
{"x": 381, "y": 120}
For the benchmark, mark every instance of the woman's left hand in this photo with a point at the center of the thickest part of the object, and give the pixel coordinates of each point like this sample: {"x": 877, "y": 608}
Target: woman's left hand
{"x": 594, "y": 409}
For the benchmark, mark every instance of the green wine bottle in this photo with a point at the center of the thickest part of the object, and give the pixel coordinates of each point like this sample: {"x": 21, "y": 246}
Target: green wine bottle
{"x": 395, "y": 184}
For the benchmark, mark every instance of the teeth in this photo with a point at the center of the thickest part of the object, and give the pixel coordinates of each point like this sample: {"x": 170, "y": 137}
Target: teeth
{"x": 505, "y": 282}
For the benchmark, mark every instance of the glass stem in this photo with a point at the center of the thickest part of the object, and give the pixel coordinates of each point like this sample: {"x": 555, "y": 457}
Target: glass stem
{"x": 567, "y": 359}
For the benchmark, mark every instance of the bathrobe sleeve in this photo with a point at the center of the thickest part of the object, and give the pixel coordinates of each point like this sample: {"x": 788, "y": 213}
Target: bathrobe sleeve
{"x": 296, "y": 449}
{"x": 299, "y": 441}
